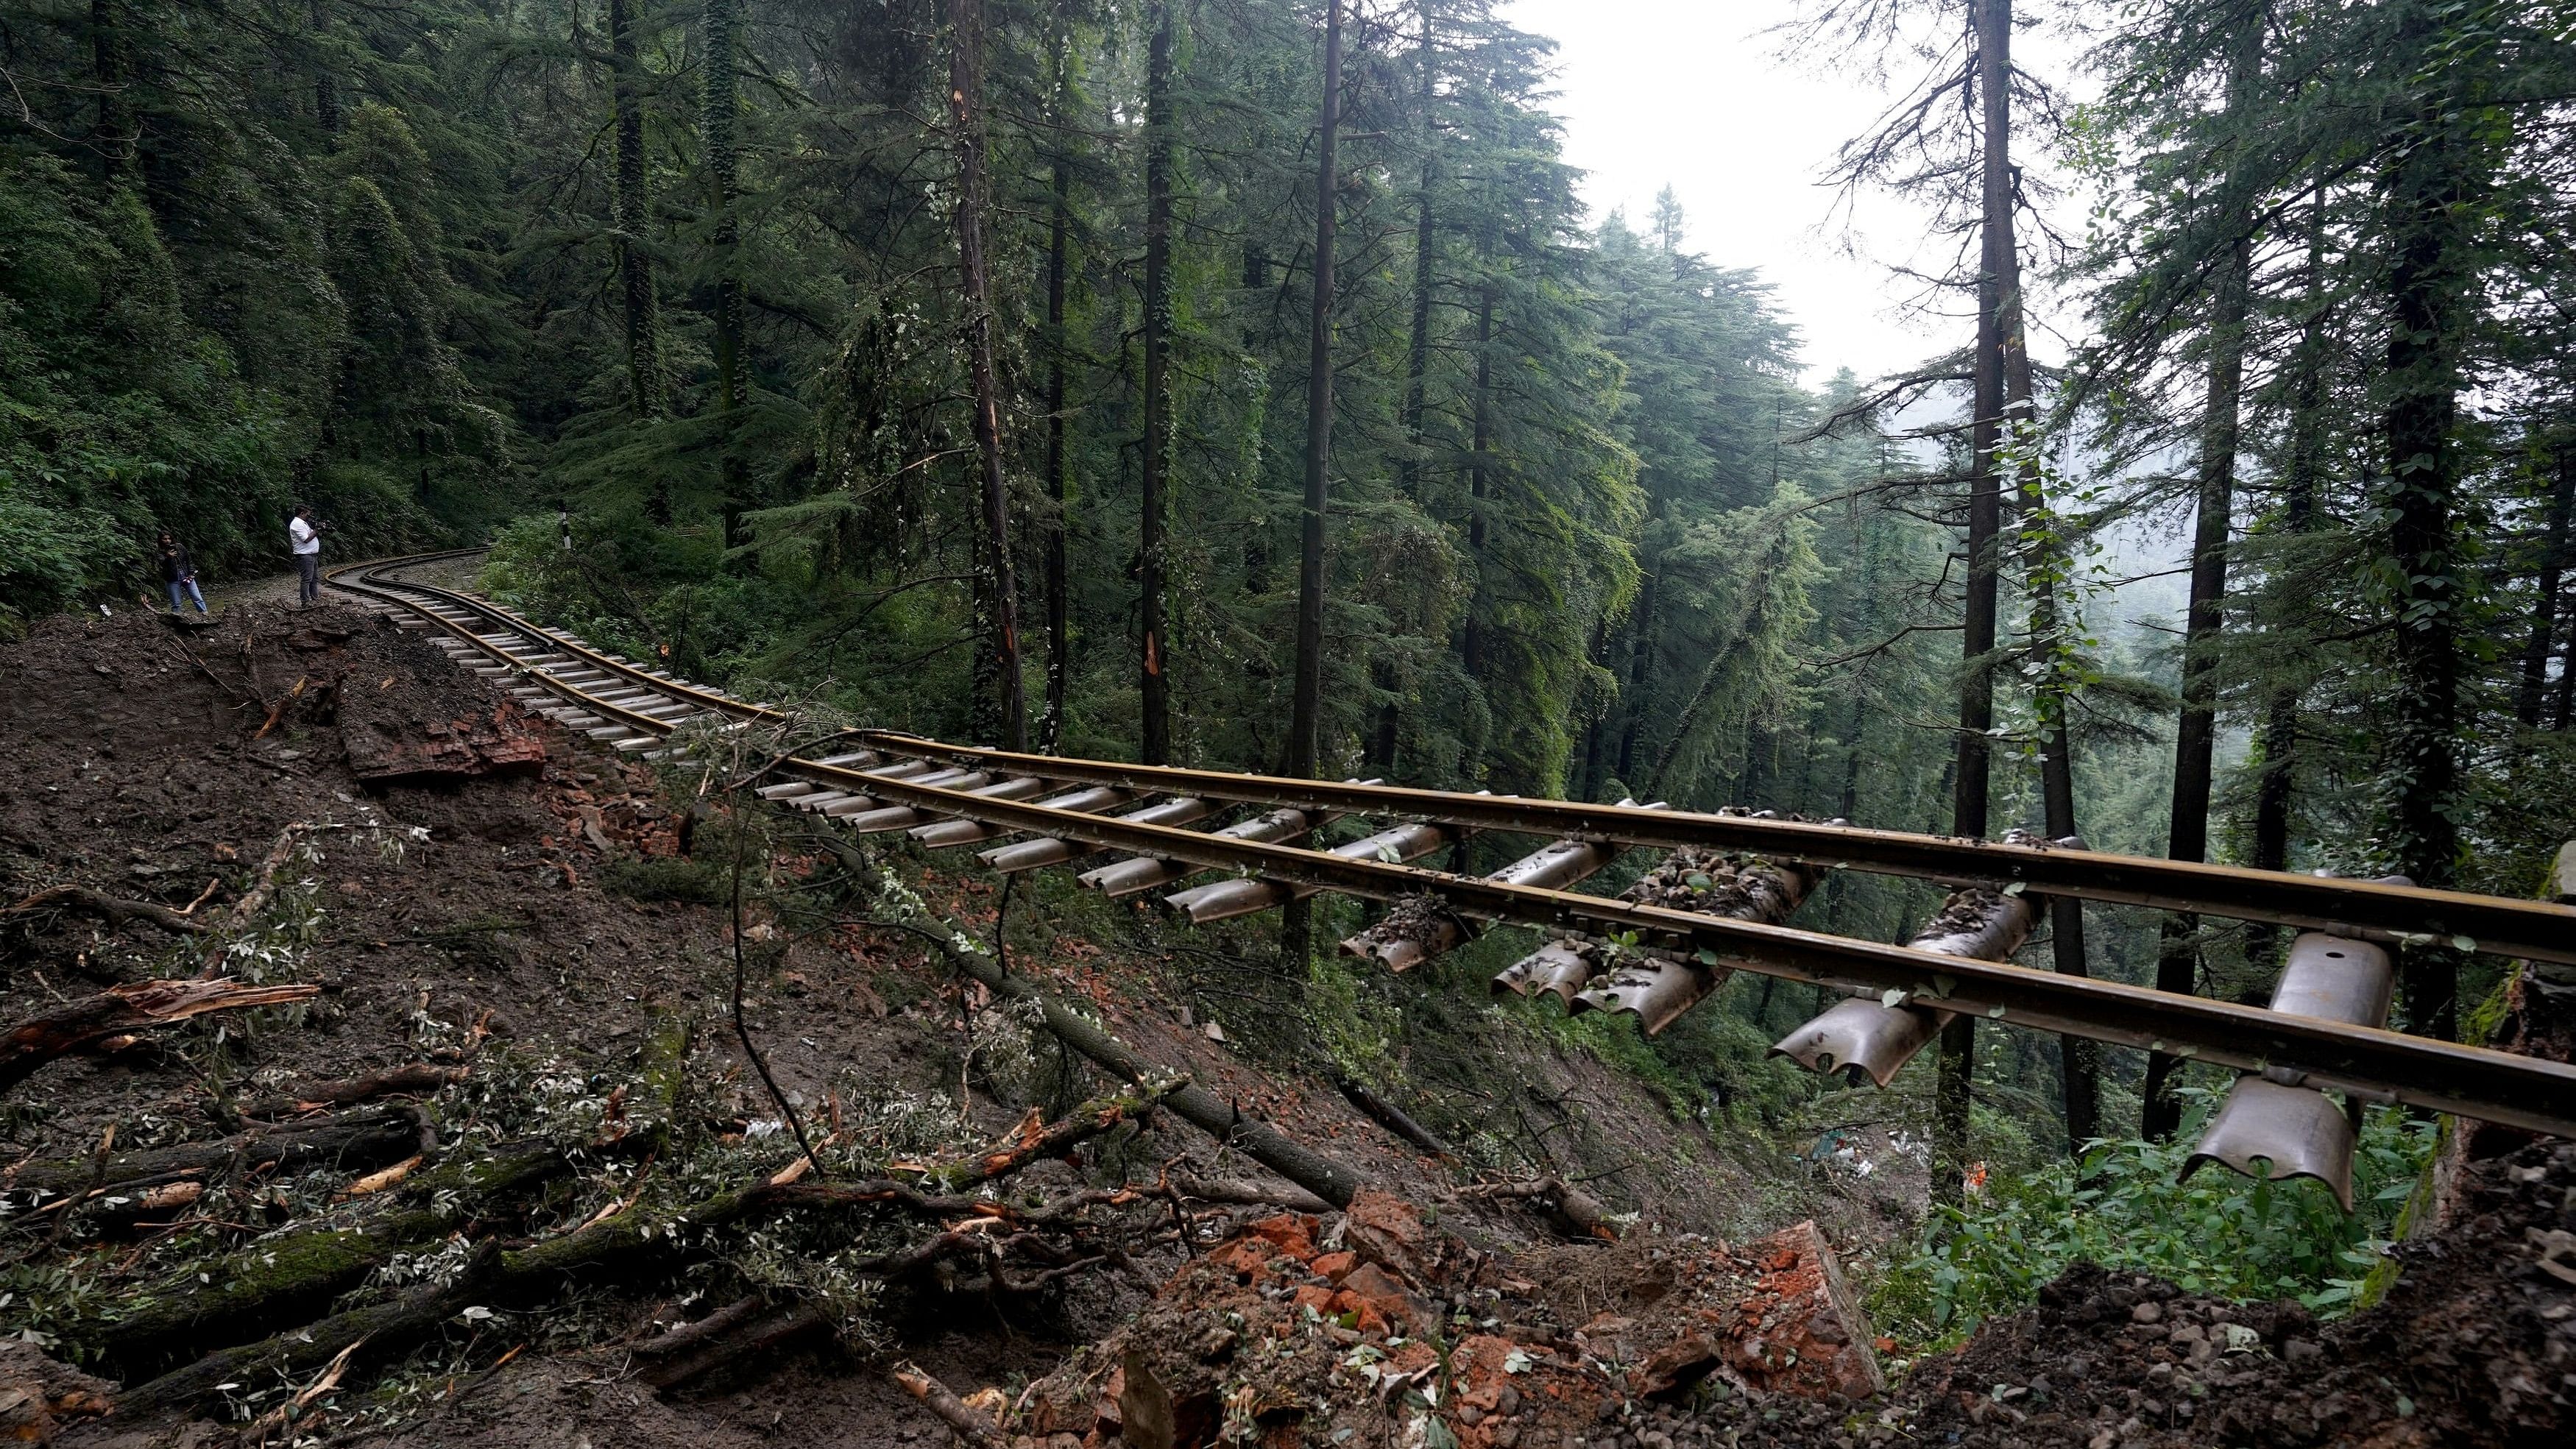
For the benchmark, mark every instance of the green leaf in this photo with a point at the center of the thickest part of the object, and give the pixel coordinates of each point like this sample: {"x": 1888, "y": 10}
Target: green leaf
{"x": 1892, "y": 996}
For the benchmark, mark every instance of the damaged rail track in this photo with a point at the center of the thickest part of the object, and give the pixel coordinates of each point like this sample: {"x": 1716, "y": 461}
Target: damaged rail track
{"x": 1036, "y": 810}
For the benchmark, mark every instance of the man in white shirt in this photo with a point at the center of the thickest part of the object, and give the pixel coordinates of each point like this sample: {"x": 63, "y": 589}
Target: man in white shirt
{"x": 305, "y": 537}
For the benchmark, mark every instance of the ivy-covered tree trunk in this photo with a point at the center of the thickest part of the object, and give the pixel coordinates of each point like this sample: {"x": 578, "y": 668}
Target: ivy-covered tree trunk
{"x": 2430, "y": 187}
{"x": 1001, "y": 644}
{"x": 2048, "y": 577}
{"x": 1641, "y": 664}
{"x": 2196, "y": 730}
{"x": 719, "y": 117}
{"x": 1154, "y": 686}
{"x": 647, "y": 391}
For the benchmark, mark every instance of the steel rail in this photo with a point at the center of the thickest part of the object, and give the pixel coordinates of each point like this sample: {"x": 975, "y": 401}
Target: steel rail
{"x": 2374, "y": 1064}
{"x": 2531, "y": 930}
{"x": 2528, "y": 929}
{"x": 2382, "y": 1065}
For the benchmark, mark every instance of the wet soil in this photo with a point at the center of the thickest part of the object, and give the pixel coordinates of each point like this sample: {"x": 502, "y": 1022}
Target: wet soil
{"x": 486, "y": 903}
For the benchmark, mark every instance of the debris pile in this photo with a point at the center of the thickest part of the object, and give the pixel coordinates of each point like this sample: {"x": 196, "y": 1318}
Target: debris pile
{"x": 1299, "y": 1329}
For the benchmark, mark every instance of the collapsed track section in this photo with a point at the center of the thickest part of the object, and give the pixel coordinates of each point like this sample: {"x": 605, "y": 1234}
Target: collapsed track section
{"x": 1727, "y": 887}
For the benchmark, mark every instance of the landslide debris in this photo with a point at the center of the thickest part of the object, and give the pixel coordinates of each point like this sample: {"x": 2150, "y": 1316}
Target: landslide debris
{"x": 473, "y": 958}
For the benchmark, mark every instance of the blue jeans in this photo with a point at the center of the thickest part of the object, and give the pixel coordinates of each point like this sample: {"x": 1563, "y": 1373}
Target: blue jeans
{"x": 308, "y": 578}
{"x": 188, "y": 587}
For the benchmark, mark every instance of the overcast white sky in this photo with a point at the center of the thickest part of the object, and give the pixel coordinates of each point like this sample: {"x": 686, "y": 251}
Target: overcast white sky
{"x": 1694, "y": 93}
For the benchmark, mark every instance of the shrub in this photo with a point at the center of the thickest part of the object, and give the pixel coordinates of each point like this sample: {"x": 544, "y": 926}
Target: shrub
{"x": 2125, "y": 1206}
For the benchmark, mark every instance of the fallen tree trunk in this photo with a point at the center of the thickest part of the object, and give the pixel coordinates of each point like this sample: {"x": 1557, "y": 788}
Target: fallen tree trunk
{"x": 757, "y": 1334}
{"x": 415, "y": 1078}
{"x": 122, "y": 1009}
{"x": 359, "y": 1140}
{"x": 1327, "y": 1178}
{"x": 1571, "y": 1210}
{"x": 1386, "y": 1114}
{"x": 1242, "y": 1192}
{"x": 624, "y": 1245}
{"x": 289, "y": 1278}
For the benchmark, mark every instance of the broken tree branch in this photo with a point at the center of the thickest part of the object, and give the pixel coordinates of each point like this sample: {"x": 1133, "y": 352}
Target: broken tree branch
{"x": 411, "y": 1079}
{"x": 121, "y": 1009}
{"x": 116, "y": 912}
{"x": 1571, "y": 1210}
{"x": 972, "y": 1425}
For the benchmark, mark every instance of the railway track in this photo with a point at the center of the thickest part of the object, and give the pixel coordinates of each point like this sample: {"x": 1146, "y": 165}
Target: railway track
{"x": 1643, "y": 956}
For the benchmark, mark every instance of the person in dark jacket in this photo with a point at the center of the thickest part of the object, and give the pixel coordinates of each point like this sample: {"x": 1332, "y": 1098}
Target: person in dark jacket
{"x": 179, "y": 573}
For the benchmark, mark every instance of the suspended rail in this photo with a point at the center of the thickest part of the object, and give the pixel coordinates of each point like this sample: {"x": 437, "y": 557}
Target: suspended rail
{"x": 630, "y": 706}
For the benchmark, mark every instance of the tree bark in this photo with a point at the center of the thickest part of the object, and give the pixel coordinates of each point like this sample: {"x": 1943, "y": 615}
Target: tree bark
{"x": 1472, "y": 646}
{"x": 2544, "y": 604}
{"x": 1059, "y": 607}
{"x": 1306, "y": 705}
{"x": 1973, "y": 761}
{"x": 647, "y": 390}
{"x": 1417, "y": 351}
{"x": 719, "y": 114}
{"x": 115, "y": 134}
{"x": 2426, "y": 189}
{"x": 2274, "y": 788}
{"x": 1305, "y": 724}
{"x": 111, "y": 909}
{"x": 2196, "y": 729}
{"x": 1155, "y": 746}
{"x": 1971, "y": 765}
{"x": 966, "y": 120}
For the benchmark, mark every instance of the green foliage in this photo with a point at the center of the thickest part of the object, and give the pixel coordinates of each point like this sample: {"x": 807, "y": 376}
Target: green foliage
{"x": 2125, "y": 1206}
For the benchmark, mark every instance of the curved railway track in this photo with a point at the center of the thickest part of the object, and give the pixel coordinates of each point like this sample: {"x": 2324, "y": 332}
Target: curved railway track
{"x": 1034, "y": 811}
